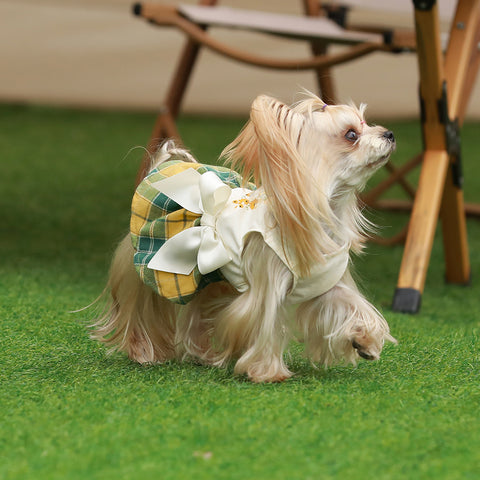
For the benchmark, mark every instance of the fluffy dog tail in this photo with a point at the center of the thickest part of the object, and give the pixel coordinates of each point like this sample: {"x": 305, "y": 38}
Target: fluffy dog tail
{"x": 135, "y": 319}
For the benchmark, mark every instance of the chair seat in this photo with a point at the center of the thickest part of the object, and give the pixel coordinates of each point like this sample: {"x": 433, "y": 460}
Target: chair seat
{"x": 292, "y": 26}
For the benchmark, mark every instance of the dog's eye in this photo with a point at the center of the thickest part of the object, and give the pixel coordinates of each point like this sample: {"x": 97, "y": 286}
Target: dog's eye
{"x": 351, "y": 135}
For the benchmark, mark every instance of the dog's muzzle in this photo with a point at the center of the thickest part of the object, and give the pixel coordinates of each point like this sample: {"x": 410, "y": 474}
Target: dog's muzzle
{"x": 389, "y": 136}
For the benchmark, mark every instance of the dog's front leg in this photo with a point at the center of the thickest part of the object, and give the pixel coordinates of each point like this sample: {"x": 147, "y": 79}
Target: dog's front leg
{"x": 253, "y": 327}
{"x": 342, "y": 325}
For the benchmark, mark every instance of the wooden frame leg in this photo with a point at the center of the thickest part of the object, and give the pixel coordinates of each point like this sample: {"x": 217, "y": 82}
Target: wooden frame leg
{"x": 461, "y": 66}
{"x": 165, "y": 124}
{"x": 421, "y": 232}
{"x": 397, "y": 175}
{"x": 438, "y": 188}
{"x": 324, "y": 76}
{"x": 164, "y": 127}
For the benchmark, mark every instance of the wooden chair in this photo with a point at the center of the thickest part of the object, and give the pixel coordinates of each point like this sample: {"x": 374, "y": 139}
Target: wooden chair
{"x": 446, "y": 82}
{"x": 317, "y": 28}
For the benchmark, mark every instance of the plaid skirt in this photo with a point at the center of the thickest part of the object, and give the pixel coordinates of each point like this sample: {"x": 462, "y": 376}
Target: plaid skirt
{"x": 155, "y": 218}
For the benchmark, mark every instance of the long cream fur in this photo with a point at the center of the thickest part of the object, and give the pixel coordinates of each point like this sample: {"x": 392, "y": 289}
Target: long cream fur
{"x": 311, "y": 173}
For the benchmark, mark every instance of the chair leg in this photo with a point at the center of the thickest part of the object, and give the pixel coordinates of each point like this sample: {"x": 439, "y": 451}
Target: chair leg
{"x": 164, "y": 128}
{"x": 396, "y": 176}
{"x": 426, "y": 207}
{"x": 423, "y": 222}
{"x": 454, "y": 229}
{"x": 325, "y": 82}
{"x": 437, "y": 188}
{"x": 462, "y": 61}
{"x": 474, "y": 65}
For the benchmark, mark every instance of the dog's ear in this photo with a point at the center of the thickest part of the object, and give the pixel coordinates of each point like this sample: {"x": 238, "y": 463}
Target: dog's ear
{"x": 264, "y": 147}
{"x": 267, "y": 151}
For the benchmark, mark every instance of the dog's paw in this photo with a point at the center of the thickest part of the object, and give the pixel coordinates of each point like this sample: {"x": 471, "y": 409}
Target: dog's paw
{"x": 270, "y": 379}
{"x": 365, "y": 351}
{"x": 367, "y": 345}
{"x": 273, "y": 371}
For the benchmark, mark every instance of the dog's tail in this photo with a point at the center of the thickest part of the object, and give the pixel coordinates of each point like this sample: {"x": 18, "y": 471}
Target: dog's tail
{"x": 135, "y": 319}
{"x": 170, "y": 151}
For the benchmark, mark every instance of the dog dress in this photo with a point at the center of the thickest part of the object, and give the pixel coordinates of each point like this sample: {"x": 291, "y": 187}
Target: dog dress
{"x": 189, "y": 225}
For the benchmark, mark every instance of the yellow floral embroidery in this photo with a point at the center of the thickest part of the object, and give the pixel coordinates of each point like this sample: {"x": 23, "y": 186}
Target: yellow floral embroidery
{"x": 246, "y": 203}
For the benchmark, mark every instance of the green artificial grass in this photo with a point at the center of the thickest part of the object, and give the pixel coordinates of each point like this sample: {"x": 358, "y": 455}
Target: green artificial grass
{"x": 67, "y": 410}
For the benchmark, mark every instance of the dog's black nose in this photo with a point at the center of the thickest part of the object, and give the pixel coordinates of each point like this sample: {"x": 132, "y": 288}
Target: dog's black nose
{"x": 389, "y": 136}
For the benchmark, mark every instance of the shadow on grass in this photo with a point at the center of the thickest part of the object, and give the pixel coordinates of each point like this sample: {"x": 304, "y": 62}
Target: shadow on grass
{"x": 305, "y": 373}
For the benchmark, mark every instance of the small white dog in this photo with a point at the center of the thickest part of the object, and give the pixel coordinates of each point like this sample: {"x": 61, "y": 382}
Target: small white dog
{"x": 212, "y": 262}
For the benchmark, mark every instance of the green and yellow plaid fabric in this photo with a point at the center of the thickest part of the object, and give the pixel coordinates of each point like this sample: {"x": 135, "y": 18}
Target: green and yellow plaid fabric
{"x": 156, "y": 218}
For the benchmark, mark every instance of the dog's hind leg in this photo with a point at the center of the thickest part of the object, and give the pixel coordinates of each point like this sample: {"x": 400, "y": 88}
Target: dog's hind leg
{"x": 253, "y": 327}
{"x": 136, "y": 320}
{"x": 195, "y": 327}
{"x": 342, "y": 325}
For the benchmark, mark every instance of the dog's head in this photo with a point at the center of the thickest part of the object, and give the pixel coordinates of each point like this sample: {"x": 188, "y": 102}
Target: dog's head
{"x": 311, "y": 159}
{"x": 339, "y": 145}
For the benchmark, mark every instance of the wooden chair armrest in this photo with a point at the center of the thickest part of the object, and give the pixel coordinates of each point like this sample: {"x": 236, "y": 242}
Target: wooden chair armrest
{"x": 165, "y": 15}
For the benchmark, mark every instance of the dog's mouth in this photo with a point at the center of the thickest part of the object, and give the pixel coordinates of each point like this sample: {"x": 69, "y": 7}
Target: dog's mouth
{"x": 382, "y": 160}
{"x": 379, "y": 162}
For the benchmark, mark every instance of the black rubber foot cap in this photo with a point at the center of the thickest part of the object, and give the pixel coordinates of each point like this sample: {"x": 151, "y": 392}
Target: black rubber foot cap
{"x": 137, "y": 9}
{"x": 406, "y": 300}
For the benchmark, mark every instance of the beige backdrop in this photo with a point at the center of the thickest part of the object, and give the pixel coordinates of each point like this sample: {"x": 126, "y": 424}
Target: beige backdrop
{"x": 96, "y": 53}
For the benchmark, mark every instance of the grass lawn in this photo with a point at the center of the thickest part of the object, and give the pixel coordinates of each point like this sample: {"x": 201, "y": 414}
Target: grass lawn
{"x": 67, "y": 410}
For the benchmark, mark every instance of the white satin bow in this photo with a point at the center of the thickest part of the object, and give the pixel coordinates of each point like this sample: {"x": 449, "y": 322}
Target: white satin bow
{"x": 203, "y": 194}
